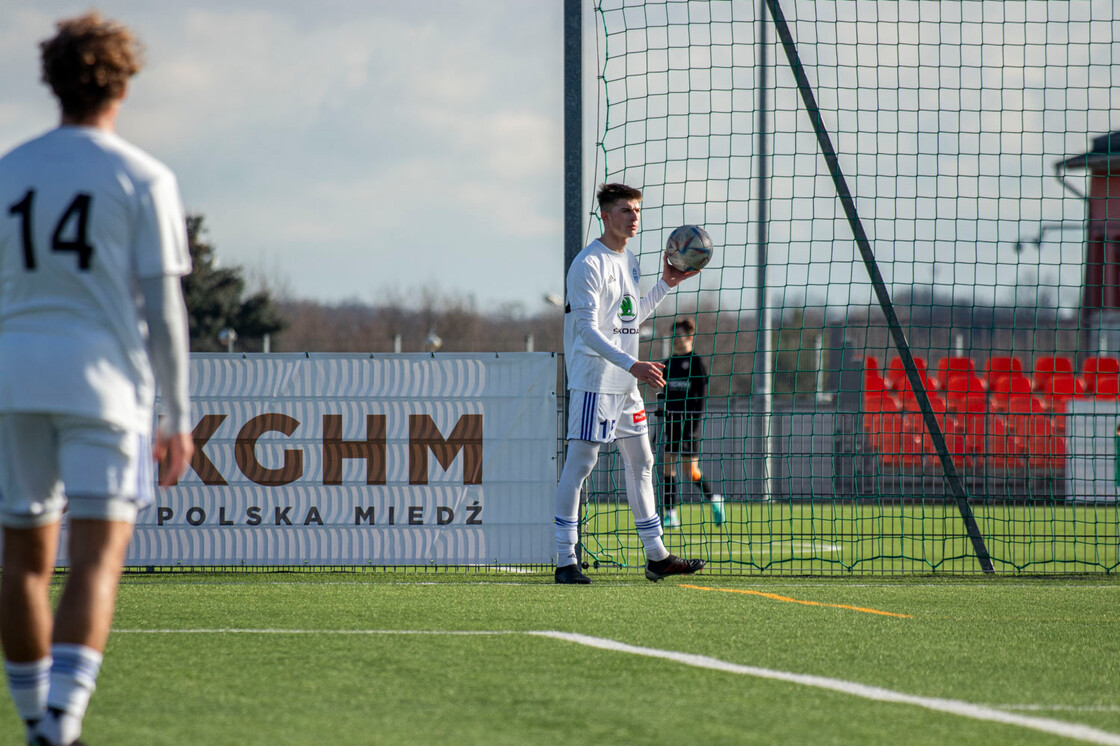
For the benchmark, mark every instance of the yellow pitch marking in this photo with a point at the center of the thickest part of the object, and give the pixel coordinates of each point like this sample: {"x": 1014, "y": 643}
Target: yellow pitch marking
{"x": 787, "y": 599}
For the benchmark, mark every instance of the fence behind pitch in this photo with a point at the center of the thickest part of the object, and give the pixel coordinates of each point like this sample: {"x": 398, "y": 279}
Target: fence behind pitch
{"x": 912, "y": 364}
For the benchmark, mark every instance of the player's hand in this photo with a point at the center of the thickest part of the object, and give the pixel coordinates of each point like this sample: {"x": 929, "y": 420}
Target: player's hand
{"x": 673, "y": 276}
{"x": 651, "y": 373}
{"x": 177, "y": 448}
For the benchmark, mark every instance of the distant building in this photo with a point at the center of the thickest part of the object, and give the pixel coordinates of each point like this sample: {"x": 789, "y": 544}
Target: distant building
{"x": 1100, "y": 296}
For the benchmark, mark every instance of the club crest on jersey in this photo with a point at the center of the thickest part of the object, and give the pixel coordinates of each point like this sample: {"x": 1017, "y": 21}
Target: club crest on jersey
{"x": 639, "y": 417}
{"x": 626, "y": 310}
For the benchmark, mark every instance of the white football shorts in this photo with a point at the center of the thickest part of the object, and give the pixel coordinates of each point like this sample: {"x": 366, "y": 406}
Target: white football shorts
{"x": 601, "y": 418}
{"x": 96, "y": 470}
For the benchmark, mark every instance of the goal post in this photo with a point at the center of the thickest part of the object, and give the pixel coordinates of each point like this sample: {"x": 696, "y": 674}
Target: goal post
{"x": 898, "y": 371}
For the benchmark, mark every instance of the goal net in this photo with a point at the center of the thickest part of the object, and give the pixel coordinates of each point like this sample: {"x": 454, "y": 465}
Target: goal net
{"x": 911, "y": 327}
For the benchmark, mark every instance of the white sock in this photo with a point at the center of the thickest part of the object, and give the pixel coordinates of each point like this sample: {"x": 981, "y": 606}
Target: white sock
{"x": 637, "y": 458}
{"x": 73, "y": 678}
{"x": 28, "y": 684}
{"x": 581, "y": 458}
{"x": 566, "y": 535}
{"x": 655, "y": 548}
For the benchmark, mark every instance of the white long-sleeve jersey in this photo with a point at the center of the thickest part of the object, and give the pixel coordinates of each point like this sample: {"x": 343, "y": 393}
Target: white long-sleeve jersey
{"x": 602, "y": 318}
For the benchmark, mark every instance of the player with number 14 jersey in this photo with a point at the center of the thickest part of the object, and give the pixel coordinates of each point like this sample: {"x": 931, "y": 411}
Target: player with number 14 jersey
{"x": 85, "y": 216}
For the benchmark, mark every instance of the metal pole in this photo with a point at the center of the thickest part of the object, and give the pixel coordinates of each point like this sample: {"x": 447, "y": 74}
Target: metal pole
{"x": 573, "y": 131}
{"x": 573, "y": 178}
{"x": 762, "y": 373}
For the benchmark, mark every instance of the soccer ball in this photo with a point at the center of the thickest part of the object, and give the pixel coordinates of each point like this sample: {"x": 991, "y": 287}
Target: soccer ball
{"x": 689, "y": 248}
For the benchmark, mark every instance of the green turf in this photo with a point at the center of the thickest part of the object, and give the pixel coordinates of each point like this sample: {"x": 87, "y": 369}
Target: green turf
{"x": 827, "y": 537}
{"x": 1048, "y": 644}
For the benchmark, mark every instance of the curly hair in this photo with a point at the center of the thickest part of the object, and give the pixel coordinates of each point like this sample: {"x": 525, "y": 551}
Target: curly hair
{"x": 88, "y": 62}
{"x": 610, "y": 193}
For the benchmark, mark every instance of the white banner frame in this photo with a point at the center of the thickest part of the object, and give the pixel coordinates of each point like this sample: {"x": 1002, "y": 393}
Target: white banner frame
{"x": 316, "y": 459}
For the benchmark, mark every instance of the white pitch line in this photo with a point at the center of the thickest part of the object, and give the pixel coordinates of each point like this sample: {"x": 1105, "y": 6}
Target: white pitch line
{"x": 278, "y": 631}
{"x": 1060, "y": 708}
{"x": 954, "y": 707}
{"x": 777, "y": 547}
{"x": 1076, "y": 731}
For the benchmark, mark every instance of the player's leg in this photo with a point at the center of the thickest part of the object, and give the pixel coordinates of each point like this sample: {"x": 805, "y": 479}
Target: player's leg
{"x": 690, "y": 457}
{"x": 30, "y": 506}
{"x": 108, "y": 474}
{"x": 579, "y": 461}
{"x": 690, "y": 463}
{"x": 669, "y": 475}
{"x": 637, "y": 460}
{"x": 25, "y": 616}
{"x": 82, "y": 622}
{"x": 578, "y": 464}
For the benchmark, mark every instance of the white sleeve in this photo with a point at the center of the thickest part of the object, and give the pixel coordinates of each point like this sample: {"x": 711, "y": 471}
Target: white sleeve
{"x": 168, "y": 348}
{"x": 160, "y": 241}
{"x": 650, "y": 300}
{"x": 584, "y": 284}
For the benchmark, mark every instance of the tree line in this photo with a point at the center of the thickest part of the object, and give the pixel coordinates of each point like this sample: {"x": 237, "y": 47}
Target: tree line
{"x": 219, "y": 298}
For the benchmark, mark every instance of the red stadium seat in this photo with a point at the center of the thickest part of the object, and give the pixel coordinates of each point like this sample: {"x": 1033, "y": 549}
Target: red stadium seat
{"x": 1001, "y": 365}
{"x": 950, "y": 366}
{"x": 957, "y": 384}
{"x": 896, "y": 376}
{"x": 1005, "y": 387}
{"x": 882, "y": 416}
{"x": 1101, "y": 377}
{"x": 882, "y": 426}
{"x": 1055, "y": 390}
{"x": 1053, "y": 364}
{"x": 1033, "y": 435}
{"x": 872, "y": 378}
{"x": 1004, "y": 449}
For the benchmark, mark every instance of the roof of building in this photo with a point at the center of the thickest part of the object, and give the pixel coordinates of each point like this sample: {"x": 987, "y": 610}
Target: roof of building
{"x": 1105, "y": 148}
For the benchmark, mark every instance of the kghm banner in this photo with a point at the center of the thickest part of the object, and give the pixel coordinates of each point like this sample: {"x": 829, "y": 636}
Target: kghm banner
{"x": 414, "y": 459}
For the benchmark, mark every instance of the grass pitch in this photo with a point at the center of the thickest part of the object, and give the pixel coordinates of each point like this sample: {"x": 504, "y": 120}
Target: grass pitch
{"x": 400, "y": 658}
{"x": 844, "y": 537}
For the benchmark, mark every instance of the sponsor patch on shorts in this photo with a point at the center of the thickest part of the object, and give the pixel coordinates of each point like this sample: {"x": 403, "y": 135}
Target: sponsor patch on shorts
{"x": 639, "y": 417}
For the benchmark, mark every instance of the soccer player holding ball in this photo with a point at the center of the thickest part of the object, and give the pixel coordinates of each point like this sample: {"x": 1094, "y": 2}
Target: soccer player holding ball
{"x": 92, "y": 249}
{"x": 602, "y": 317}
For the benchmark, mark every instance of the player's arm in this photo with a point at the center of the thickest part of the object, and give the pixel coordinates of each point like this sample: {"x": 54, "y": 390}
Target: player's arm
{"x": 650, "y": 300}
{"x": 673, "y": 276}
{"x": 670, "y": 278}
{"x": 168, "y": 351}
{"x": 161, "y": 257}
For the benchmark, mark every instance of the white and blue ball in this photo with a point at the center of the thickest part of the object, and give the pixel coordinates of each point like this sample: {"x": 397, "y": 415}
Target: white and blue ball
{"x": 689, "y": 248}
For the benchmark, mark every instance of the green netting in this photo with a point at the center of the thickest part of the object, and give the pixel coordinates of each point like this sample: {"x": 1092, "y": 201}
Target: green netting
{"x": 972, "y": 144}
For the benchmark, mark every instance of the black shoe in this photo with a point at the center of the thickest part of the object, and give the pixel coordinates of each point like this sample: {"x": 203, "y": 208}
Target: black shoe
{"x": 570, "y": 575}
{"x": 672, "y": 565}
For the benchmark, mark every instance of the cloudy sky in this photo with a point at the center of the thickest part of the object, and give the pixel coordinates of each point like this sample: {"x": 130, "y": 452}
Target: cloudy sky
{"x": 344, "y": 150}
{"x": 401, "y": 149}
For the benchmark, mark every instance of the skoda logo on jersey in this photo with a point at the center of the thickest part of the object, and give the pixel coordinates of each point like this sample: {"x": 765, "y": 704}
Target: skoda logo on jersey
{"x": 626, "y": 310}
